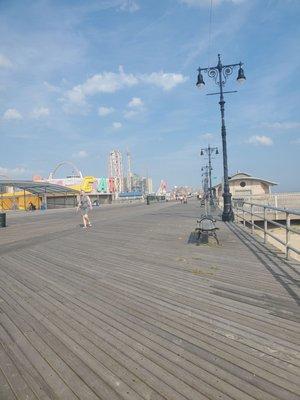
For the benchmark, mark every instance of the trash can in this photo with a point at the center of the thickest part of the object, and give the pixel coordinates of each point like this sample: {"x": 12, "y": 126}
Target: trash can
{"x": 2, "y": 220}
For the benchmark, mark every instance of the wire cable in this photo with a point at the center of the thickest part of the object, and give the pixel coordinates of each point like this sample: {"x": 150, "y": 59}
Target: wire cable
{"x": 209, "y": 30}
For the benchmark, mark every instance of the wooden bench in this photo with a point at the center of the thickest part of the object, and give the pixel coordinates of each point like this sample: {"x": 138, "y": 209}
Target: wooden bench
{"x": 206, "y": 226}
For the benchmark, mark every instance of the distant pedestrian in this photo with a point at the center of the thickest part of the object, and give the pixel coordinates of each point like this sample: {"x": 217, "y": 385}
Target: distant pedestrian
{"x": 31, "y": 206}
{"x": 84, "y": 205}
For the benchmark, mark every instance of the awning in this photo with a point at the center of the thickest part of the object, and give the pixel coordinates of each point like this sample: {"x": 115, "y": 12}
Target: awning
{"x": 37, "y": 187}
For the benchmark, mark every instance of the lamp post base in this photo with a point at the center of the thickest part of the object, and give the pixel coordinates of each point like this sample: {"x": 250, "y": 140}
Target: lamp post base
{"x": 227, "y": 214}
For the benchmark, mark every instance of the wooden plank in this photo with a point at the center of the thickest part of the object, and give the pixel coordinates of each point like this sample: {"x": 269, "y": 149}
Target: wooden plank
{"x": 49, "y": 375}
{"x": 29, "y": 373}
{"x": 68, "y": 305}
{"x": 70, "y": 350}
{"x": 15, "y": 379}
{"x": 130, "y": 301}
{"x": 6, "y": 392}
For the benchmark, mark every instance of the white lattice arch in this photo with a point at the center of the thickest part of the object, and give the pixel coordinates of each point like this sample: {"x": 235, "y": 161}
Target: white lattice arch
{"x": 74, "y": 168}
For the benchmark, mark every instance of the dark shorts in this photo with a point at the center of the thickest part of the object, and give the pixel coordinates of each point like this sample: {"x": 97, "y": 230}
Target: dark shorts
{"x": 84, "y": 211}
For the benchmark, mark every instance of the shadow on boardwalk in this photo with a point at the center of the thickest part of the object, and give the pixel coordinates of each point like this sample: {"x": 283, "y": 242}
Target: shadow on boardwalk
{"x": 272, "y": 260}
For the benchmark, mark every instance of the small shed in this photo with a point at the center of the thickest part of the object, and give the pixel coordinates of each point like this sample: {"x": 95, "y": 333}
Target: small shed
{"x": 18, "y": 194}
{"x": 242, "y": 185}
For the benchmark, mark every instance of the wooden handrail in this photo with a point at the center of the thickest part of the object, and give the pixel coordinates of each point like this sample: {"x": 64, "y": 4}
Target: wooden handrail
{"x": 266, "y": 220}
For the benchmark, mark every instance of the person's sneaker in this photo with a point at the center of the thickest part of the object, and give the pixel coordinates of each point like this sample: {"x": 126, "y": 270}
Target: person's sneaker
{"x": 90, "y": 225}
{"x": 84, "y": 227}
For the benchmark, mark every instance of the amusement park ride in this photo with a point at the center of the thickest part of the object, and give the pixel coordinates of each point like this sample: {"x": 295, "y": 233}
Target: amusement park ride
{"x": 116, "y": 169}
{"x": 75, "y": 171}
{"x": 162, "y": 190}
{"x": 117, "y": 182}
{"x": 77, "y": 181}
{"x": 102, "y": 190}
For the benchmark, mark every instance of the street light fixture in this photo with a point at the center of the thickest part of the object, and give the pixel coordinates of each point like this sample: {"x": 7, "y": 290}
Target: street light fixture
{"x": 241, "y": 76}
{"x": 200, "y": 82}
{"x": 210, "y": 151}
{"x": 220, "y": 73}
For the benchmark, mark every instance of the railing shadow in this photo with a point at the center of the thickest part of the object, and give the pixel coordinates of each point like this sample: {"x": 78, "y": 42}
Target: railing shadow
{"x": 270, "y": 259}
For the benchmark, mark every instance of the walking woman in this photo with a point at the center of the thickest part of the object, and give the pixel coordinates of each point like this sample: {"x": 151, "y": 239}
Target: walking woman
{"x": 84, "y": 205}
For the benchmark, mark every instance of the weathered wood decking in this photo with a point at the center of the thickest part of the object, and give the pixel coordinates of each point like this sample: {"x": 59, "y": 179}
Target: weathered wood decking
{"x": 130, "y": 310}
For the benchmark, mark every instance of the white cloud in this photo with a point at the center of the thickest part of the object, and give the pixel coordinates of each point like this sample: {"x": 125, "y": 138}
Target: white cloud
{"x": 12, "y": 113}
{"x": 117, "y": 125}
{"x": 282, "y": 125}
{"x": 40, "y": 112}
{"x": 52, "y": 88}
{"x": 110, "y": 82}
{"x": 80, "y": 154}
{"x": 135, "y": 107}
{"x": 5, "y": 62}
{"x": 207, "y": 136}
{"x": 12, "y": 172}
{"x": 135, "y": 102}
{"x": 165, "y": 80}
{"x": 76, "y": 95}
{"x": 206, "y": 3}
{"x": 260, "y": 140}
{"x": 106, "y": 82}
{"x": 129, "y": 5}
{"x": 128, "y": 114}
{"x": 104, "y": 111}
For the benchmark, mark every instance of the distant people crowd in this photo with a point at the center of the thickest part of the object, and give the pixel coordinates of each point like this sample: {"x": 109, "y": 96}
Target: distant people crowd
{"x": 183, "y": 199}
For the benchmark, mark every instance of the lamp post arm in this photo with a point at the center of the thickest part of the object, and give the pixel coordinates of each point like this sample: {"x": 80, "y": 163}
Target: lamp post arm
{"x": 233, "y": 65}
{"x": 205, "y": 69}
{"x": 220, "y": 72}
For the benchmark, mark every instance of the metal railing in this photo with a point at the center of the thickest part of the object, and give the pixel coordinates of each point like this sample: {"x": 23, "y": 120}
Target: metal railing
{"x": 246, "y": 212}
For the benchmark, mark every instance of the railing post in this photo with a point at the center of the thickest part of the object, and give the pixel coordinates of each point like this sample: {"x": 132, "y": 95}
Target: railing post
{"x": 252, "y": 220}
{"x": 265, "y": 225}
{"x": 287, "y": 235}
{"x": 244, "y": 221}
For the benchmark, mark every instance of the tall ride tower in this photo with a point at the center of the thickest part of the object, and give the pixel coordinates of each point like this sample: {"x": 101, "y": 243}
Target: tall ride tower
{"x": 116, "y": 169}
{"x": 129, "y": 174}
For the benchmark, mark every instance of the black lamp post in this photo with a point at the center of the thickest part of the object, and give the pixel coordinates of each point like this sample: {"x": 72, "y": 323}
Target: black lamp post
{"x": 220, "y": 74}
{"x": 210, "y": 151}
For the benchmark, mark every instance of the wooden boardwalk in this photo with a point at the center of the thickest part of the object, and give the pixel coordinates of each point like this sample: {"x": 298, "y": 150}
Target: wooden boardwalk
{"x": 129, "y": 309}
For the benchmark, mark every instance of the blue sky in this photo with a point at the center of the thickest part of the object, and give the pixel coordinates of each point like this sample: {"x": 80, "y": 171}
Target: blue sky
{"x": 80, "y": 78}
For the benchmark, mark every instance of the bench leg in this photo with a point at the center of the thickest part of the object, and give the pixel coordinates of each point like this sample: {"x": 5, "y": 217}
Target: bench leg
{"x": 216, "y": 237}
{"x": 204, "y": 237}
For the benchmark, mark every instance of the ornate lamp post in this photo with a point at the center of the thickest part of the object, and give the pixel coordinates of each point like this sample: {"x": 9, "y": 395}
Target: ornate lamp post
{"x": 205, "y": 183}
{"x": 209, "y": 151}
{"x": 220, "y": 74}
